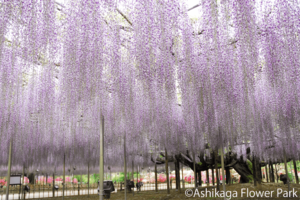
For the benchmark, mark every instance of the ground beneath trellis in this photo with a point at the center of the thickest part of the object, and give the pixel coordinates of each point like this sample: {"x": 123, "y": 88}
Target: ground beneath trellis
{"x": 273, "y": 188}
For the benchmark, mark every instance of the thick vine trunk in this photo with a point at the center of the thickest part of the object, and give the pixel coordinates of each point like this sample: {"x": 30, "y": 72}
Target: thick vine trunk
{"x": 257, "y": 167}
{"x": 231, "y": 161}
{"x": 272, "y": 178}
{"x": 216, "y": 167}
{"x": 177, "y": 178}
{"x": 296, "y": 173}
{"x": 200, "y": 178}
{"x": 228, "y": 176}
{"x": 254, "y": 171}
{"x": 242, "y": 169}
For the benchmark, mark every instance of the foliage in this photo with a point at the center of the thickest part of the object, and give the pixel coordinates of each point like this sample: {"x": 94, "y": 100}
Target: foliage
{"x": 2, "y": 182}
{"x": 189, "y": 179}
{"x": 172, "y": 177}
{"x": 161, "y": 178}
{"x": 290, "y": 176}
{"x": 58, "y": 179}
{"x": 119, "y": 178}
{"x": 94, "y": 178}
{"x": 78, "y": 178}
{"x": 250, "y": 166}
{"x": 250, "y": 177}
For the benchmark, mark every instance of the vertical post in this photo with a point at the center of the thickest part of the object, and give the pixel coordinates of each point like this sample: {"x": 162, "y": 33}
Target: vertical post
{"x": 22, "y": 182}
{"x": 132, "y": 176}
{"x": 88, "y": 180}
{"x": 207, "y": 177}
{"x": 286, "y": 172}
{"x": 267, "y": 175}
{"x": 272, "y": 178}
{"x": 8, "y": 170}
{"x": 125, "y": 168}
{"x": 177, "y": 174}
{"x": 81, "y": 181}
{"x": 179, "y": 186}
{"x": 101, "y": 161}
{"x": 183, "y": 186}
{"x": 64, "y": 177}
{"x": 254, "y": 170}
{"x": 291, "y": 170}
{"x": 44, "y": 185}
{"x": 28, "y": 180}
{"x": 195, "y": 173}
{"x": 296, "y": 173}
{"x": 223, "y": 174}
{"x": 155, "y": 169}
{"x": 53, "y": 183}
{"x": 217, "y": 173}
{"x": 167, "y": 172}
{"x": 213, "y": 175}
{"x": 78, "y": 192}
{"x": 200, "y": 178}
{"x": 137, "y": 176}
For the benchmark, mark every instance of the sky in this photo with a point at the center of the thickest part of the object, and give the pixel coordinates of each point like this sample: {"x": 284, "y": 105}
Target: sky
{"x": 190, "y": 3}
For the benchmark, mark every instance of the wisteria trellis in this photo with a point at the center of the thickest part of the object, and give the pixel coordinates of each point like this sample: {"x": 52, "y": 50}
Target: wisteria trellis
{"x": 164, "y": 80}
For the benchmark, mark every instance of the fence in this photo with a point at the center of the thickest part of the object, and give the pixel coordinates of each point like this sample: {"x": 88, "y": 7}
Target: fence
{"x": 45, "y": 191}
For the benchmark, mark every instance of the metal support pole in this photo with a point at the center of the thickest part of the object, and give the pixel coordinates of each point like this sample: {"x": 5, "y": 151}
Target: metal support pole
{"x": 223, "y": 174}
{"x": 287, "y": 173}
{"x": 53, "y": 183}
{"x": 8, "y": 170}
{"x": 217, "y": 172}
{"x": 254, "y": 171}
{"x": 81, "y": 181}
{"x": 169, "y": 176}
{"x": 125, "y": 168}
{"x": 137, "y": 177}
{"x": 183, "y": 185}
{"x": 155, "y": 169}
{"x": 27, "y": 177}
{"x": 178, "y": 177}
{"x": 101, "y": 162}
{"x": 132, "y": 176}
{"x": 64, "y": 177}
{"x": 167, "y": 172}
{"x": 22, "y": 182}
{"x": 88, "y": 179}
{"x": 213, "y": 175}
{"x": 195, "y": 172}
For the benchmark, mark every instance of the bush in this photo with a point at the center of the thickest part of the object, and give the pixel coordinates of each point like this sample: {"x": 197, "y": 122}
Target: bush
{"x": 2, "y": 182}
{"x": 189, "y": 179}
{"x": 161, "y": 178}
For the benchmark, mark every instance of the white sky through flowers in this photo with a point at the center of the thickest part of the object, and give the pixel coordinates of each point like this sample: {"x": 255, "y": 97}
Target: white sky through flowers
{"x": 189, "y": 3}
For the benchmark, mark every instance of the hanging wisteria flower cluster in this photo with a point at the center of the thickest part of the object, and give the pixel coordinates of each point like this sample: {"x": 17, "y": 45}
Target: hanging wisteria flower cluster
{"x": 164, "y": 81}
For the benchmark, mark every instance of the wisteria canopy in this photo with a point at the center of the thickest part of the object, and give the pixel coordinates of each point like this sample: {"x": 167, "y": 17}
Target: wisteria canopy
{"x": 229, "y": 78}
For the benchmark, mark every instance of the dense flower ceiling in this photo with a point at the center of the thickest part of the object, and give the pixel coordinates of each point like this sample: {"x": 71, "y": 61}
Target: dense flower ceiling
{"x": 163, "y": 80}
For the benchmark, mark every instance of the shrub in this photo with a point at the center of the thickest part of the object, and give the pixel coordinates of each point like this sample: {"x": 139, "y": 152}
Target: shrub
{"x": 2, "y": 182}
{"x": 161, "y": 178}
{"x": 189, "y": 179}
